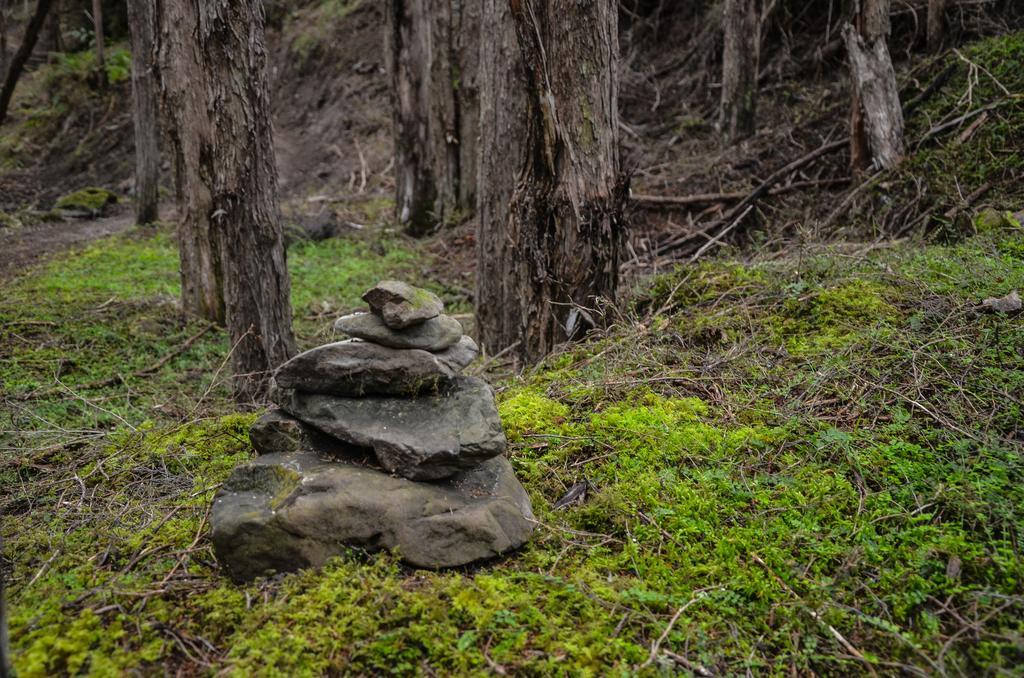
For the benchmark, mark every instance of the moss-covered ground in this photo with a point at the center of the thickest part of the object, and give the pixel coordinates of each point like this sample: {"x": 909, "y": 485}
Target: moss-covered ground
{"x": 965, "y": 135}
{"x": 809, "y": 463}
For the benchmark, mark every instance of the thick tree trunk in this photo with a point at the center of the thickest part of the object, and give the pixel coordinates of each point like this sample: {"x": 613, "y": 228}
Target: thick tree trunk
{"x": 214, "y": 75}
{"x": 28, "y": 43}
{"x": 502, "y": 144}
{"x": 565, "y": 227}
{"x": 876, "y": 122}
{"x": 142, "y": 23}
{"x": 432, "y": 59}
{"x": 101, "y": 60}
{"x": 936, "y": 24}
{"x": 740, "y": 59}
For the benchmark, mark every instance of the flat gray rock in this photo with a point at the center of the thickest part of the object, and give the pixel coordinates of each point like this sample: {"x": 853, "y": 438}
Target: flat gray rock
{"x": 285, "y": 512}
{"x": 457, "y": 357}
{"x": 426, "y": 438}
{"x": 401, "y": 305}
{"x": 357, "y": 368}
{"x": 1011, "y": 303}
{"x": 435, "y": 334}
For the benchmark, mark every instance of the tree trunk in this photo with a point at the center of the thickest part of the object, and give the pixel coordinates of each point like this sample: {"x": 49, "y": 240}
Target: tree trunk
{"x": 35, "y": 25}
{"x": 566, "y": 216}
{"x": 97, "y": 23}
{"x": 214, "y": 75}
{"x": 502, "y": 147}
{"x": 5, "y": 646}
{"x": 3, "y": 37}
{"x": 142, "y": 22}
{"x": 876, "y": 121}
{"x": 936, "y": 24}
{"x": 54, "y": 35}
{"x": 432, "y": 59}
{"x": 740, "y": 59}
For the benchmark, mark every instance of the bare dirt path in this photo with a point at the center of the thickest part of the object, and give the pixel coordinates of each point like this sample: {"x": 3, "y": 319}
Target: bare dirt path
{"x": 29, "y": 246}
{"x": 23, "y": 248}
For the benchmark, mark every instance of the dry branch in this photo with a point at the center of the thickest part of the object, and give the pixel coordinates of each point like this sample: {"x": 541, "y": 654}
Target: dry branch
{"x": 670, "y": 201}
{"x": 739, "y": 211}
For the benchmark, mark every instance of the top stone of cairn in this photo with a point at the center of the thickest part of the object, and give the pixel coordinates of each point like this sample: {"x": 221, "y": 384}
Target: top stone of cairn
{"x": 401, "y": 305}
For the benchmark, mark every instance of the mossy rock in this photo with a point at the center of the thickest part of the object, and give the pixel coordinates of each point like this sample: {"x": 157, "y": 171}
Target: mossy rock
{"x": 989, "y": 220}
{"x": 92, "y": 199}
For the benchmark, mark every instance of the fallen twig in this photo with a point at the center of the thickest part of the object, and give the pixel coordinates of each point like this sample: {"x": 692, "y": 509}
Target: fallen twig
{"x": 668, "y": 629}
{"x": 740, "y": 210}
{"x": 718, "y": 238}
{"x": 840, "y": 638}
{"x": 942, "y": 127}
{"x": 656, "y": 201}
{"x": 698, "y": 669}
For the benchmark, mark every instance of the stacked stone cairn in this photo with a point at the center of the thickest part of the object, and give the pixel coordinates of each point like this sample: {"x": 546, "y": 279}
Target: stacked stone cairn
{"x": 377, "y": 442}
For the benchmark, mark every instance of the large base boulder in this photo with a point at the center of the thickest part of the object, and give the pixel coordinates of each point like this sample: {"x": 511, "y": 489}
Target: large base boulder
{"x": 288, "y": 511}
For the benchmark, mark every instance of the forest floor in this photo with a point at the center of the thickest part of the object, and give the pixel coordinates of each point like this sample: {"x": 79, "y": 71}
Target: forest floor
{"x": 799, "y": 457}
{"x": 806, "y": 464}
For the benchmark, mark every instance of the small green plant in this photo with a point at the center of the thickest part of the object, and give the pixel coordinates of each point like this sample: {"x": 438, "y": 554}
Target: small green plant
{"x": 80, "y": 67}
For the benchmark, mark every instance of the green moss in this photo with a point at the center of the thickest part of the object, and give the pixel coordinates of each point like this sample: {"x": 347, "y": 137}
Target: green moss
{"x": 58, "y": 634}
{"x": 90, "y": 199}
{"x": 783, "y": 449}
{"x": 988, "y": 220}
{"x": 815, "y": 320}
{"x": 526, "y": 411}
{"x": 947, "y": 168}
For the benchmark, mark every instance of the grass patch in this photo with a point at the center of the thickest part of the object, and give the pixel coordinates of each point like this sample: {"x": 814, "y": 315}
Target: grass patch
{"x": 780, "y": 450}
{"x": 808, "y": 465}
{"x": 110, "y": 311}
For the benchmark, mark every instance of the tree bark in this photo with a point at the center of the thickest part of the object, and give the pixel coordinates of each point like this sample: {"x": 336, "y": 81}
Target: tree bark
{"x": 5, "y": 645}
{"x": 3, "y": 37}
{"x": 502, "y": 147}
{"x": 876, "y": 120}
{"x": 97, "y": 23}
{"x": 566, "y": 220}
{"x": 214, "y": 74}
{"x": 54, "y": 40}
{"x": 35, "y": 25}
{"x": 936, "y": 24}
{"x": 740, "y": 60}
{"x": 432, "y": 60}
{"x": 142, "y": 23}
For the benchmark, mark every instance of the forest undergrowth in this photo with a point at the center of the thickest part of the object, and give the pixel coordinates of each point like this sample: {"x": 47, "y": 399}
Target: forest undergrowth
{"x": 811, "y": 463}
{"x": 803, "y": 460}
